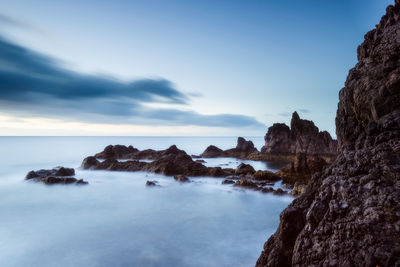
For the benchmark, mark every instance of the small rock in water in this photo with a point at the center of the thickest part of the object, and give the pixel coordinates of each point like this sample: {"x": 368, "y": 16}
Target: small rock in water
{"x": 228, "y": 181}
{"x": 279, "y": 191}
{"x": 151, "y": 183}
{"x": 181, "y": 178}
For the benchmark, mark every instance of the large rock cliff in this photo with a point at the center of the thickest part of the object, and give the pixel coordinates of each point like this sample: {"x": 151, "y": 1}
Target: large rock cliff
{"x": 349, "y": 214}
{"x": 302, "y": 137}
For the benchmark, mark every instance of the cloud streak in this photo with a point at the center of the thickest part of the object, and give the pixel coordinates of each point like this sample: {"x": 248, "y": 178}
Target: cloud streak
{"x": 34, "y": 84}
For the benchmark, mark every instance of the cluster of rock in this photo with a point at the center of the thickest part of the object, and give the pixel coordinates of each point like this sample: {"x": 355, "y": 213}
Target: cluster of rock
{"x": 309, "y": 150}
{"x": 177, "y": 163}
{"x": 349, "y": 214}
{"x": 58, "y": 175}
{"x": 171, "y": 161}
{"x": 246, "y": 176}
{"x": 303, "y": 146}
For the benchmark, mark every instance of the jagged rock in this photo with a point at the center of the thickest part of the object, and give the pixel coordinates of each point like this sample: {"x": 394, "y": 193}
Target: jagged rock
{"x": 181, "y": 178}
{"x": 244, "y": 169}
{"x": 58, "y": 175}
{"x": 302, "y": 137}
{"x": 266, "y": 176}
{"x": 349, "y": 214}
{"x": 301, "y": 170}
{"x": 277, "y": 140}
{"x": 245, "y": 146}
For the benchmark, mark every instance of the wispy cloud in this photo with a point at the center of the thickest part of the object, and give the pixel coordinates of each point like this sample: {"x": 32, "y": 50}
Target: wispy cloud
{"x": 34, "y": 84}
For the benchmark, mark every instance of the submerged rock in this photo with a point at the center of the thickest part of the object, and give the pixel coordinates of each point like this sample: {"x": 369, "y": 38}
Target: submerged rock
{"x": 228, "y": 181}
{"x": 181, "y": 178}
{"x": 349, "y": 214}
{"x": 58, "y": 175}
{"x": 151, "y": 183}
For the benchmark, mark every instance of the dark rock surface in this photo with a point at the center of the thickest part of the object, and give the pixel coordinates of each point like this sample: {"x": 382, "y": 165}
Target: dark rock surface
{"x": 171, "y": 161}
{"x": 266, "y": 176}
{"x": 302, "y": 137}
{"x": 245, "y": 146}
{"x": 228, "y": 181}
{"x": 349, "y": 214}
{"x": 244, "y": 169}
{"x": 181, "y": 178}
{"x": 246, "y": 183}
{"x": 212, "y": 152}
{"x": 151, "y": 183}
{"x": 58, "y": 175}
{"x": 242, "y": 150}
{"x": 301, "y": 169}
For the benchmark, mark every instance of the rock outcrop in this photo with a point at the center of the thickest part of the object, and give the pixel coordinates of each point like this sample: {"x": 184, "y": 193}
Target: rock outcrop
{"x": 58, "y": 175}
{"x": 349, "y": 214}
{"x": 302, "y": 137}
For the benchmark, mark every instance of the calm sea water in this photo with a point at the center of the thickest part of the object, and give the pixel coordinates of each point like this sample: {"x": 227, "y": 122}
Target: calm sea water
{"x": 116, "y": 220}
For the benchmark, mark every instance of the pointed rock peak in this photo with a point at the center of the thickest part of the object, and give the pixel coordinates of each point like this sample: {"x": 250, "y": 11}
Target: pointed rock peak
{"x": 295, "y": 116}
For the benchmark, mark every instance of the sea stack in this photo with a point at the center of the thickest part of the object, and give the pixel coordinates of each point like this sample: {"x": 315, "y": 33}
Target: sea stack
{"x": 302, "y": 137}
{"x": 349, "y": 214}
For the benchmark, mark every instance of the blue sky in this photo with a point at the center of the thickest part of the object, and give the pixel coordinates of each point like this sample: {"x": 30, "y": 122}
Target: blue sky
{"x": 176, "y": 67}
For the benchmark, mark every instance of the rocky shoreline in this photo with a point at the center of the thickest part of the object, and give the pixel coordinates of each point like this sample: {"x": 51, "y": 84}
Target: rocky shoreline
{"x": 349, "y": 214}
{"x": 176, "y": 162}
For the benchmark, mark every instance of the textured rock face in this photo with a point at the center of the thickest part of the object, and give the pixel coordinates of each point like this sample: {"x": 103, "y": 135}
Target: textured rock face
{"x": 245, "y": 146}
{"x": 349, "y": 214}
{"x": 301, "y": 169}
{"x": 302, "y": 137}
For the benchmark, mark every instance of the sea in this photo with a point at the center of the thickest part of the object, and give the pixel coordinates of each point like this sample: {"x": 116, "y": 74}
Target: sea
{"x": 116, "y": 220}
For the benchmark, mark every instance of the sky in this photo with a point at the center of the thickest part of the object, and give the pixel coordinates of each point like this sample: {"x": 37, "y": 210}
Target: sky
{"x": 175, "y": 67}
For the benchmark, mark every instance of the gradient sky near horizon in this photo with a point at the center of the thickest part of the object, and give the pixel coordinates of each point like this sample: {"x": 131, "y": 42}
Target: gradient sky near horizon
{"x": 175, "y": 67}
